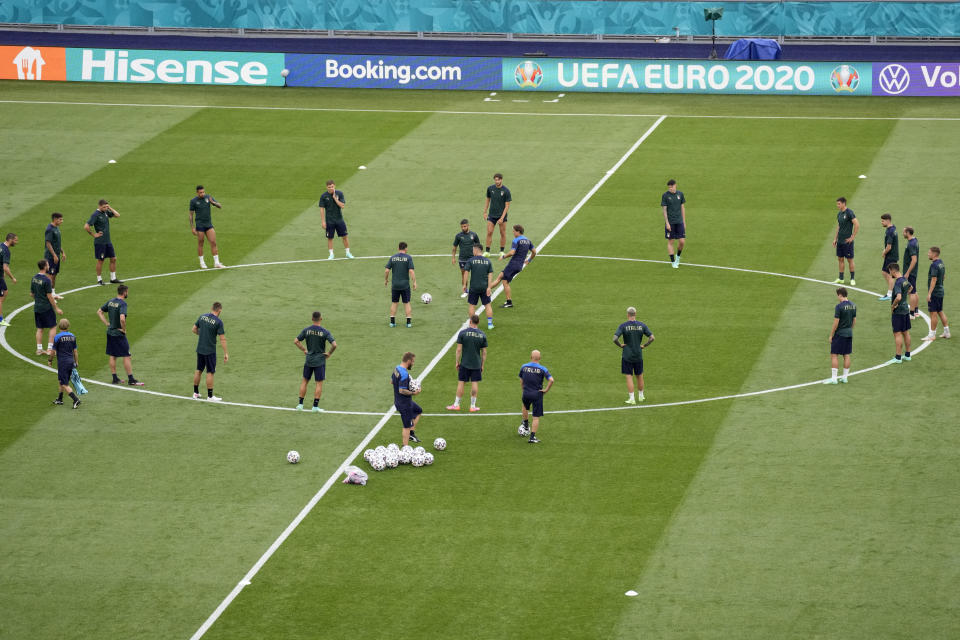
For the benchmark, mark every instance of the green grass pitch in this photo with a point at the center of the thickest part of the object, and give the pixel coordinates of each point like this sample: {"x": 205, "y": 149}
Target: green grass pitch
{"x": 812, "y": 512}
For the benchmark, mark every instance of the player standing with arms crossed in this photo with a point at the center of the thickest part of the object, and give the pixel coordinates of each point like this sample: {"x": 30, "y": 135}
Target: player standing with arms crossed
{"x": 207, "y": 328}
{"x": 313, "y": 342}
{"x": 53, "y": 252}
{"x": 841, "y": 336}
{"x": 5, "y": 246}
{"x": 911, "y": 264}
{"x": 674, "y": 207}
{"x": 466, "y": 240}
{"x": 202, "y": 225}
{"x": 495, "y": 211}
{"x": 98, "y": 226}
{"x": 935, "y": 294}
{"x": 332, "y": 203}
{"x": 631, "y": 362}
{"x": 113, "y": 313}
{"x": 847, "y": 227}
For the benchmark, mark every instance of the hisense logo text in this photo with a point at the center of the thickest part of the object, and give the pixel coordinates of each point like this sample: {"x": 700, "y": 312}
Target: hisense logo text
{"x": 117, "y": 66}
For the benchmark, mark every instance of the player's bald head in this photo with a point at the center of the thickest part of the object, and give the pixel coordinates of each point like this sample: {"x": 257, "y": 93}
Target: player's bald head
{"x": 535, "y": 355}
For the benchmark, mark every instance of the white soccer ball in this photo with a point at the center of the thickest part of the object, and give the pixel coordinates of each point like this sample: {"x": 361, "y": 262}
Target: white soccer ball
{"x": 381, "y": 450}
{"x": 418, "y": 459}
{"x": 439, "y": 444}
{"x": 419, "y": 450}
{"x": 285, "y": 73}
{"x": 415, "y": 385}
{"x": 405, "y": 456}
{"x": 378, "y": 463}
{"x": 293, "y": 457}
{"x": 393, "y": 446}
{"x": 426, "y": 298}
{"x": 523, "y": 431}
{"x": 428, "y": 458}
{"x": 368, "y": 454}
{"x": 392, "y": 459}
{"x": 407, "y": 447}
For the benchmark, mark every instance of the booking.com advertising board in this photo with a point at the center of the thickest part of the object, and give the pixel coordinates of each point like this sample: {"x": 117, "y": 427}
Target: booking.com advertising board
{"x": 487, "y": 74}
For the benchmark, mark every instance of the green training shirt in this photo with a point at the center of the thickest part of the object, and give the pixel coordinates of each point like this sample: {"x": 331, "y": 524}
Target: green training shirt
{"x": 51, "y": 235}
{"x": 331, "y": 210}
{"x": 674, "y": 203}
{"x": 479, "y": 267}
{"x": 209, "y": 326}
{"x": 400, "y": 265}
{"x": 633, "y": 332}
{"x": 315, "y": 338}
{"x": 114, "y": 309}
{"x": 473, "y": 342}
{"x": 100, "y": 221}
{"x": 40, "y": 286}
{"x": 845, "y": 312}
{"x": 201, "y": 211}
{"x": 902, "y": 287}
{"x": 938, "y": 271}
{"x": 844, "y": 224}
{"x": 466, "y": 241}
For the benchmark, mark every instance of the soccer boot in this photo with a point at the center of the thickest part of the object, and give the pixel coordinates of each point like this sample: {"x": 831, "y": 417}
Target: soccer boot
{"x": 843, "y": 380}
{"x": 886, "y": 296}
{"x": 135, "y": 383}
{"x": 116, "y": 281}
{"x": 58, "y": 401}
{"x": 453, "y": 407}
{"x": 838, "y": 281}
{"x": 413, "y": 437}
{"x": 76, "y": 403}
{"x": 214, "y": 399}
{"x": 196, "y": 396}
{"x": 506, "y": 305}
{"x": 474, "y": 409}
{"x": 831, "y": 381}
{"x": 631, "y": 400}
{"x": 4, "y": 323}
{"x": 350, "y": 255}
{"x": 299, "y": 407}
{"x": 907, "y": 358}
{"x": 533, "y": 439}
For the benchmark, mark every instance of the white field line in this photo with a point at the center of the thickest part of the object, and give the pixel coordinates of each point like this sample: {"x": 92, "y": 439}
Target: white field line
{"x": 5, "y": 344}
{"x": 464, "y": 113}
{"x": 386, "y": 416}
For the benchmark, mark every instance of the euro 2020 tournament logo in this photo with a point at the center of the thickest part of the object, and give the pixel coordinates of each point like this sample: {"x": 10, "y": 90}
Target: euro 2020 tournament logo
{"x": 845, "y": 78}
{"x": 894, "y": 79}
{"x": 528, "y": 75}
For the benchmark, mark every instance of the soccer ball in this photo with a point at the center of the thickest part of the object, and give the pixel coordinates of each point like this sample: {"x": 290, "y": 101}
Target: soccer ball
{"x": 523, "y": 431}
{"x": 378, "y": 463}
{"x": 368, "y": 454}
{"x": 427, "y": 458}
{"x": 426, "y": 298}
{"x": 380, "y": 451}
{"x": 418, "y": 459}
{"x": 393, "y": 446}
{"x": 293, "y": 457}
{"x": 439, "y": 444}
{"x": 391, "y": 459}
{"x": 405, "y": 456}
{"x": 415, "y": 385}
{"x": 419, "y": 450}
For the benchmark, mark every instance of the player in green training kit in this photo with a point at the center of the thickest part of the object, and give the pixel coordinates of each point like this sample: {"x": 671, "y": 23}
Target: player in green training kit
{"x": 53, "y": 251}
{"x": 464, "y": 241}
{"x": 113, "y": 313}
{"x": 674, "y": 207}
{"x": 935, "y": 294}
{"x": 202, "y": 225}
{"x": 45, "y": 309}
{"x": 900, "y": 315}
{"x": 400, "y": 265}
{"x": 631, "y": 362}
{"x": 5, "y": 272}
{"x": 313, "y": 342}
{"x": 847, "y": 227}
{"x": 495, "y": 211}
{"x": 841, "y": 336}
{"x": 911, "y": 265}
{"x": 332, "y": 204}
{"x": 481, "y": 277}
{"x": 208, "y": 327}
{"x": 891, "y": 249}
{"x": 98, "y": 226}
{"x": 471, "y": 359}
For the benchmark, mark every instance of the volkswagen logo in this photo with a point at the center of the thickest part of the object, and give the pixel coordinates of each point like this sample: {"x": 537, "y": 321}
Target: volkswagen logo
{"x": 894, "y": 79}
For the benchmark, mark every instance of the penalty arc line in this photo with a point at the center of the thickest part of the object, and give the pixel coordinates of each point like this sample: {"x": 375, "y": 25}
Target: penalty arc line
{"x": 386, "y": 416}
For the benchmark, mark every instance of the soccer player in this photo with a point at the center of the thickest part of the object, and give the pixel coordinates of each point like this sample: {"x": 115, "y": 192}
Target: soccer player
{"x": 674, "y": 220}
{"x": 332, "y": 204}
{"x": 202, "y": 225}
{"x": 891, "y": 249}
{"x": 113, "y": 313}
{"x": 53, "y": 251}
{"x": 313, "y": 342}
{"x": 98, "y": 226}
{"x": 45, "y": 309}
{"x": 471, "y": 359}
{"x": 208, "y": 327}
{"x": 400, "y": 265}
{"x": 481, "y": 276}
{"x": 911, "y": 264}
{"x": 900, "y": 314}
{"x": 847, "y": 228}
{"x": 532, "y": 375}
{"x": 631, "y": 361}
{"x": 65, "y": 344}
{"x": 518, "y": 258}
{"x": 495, "y": 211}
{"x": 5, "y": 246}
{"x": 466, "y": 240}
{"x": 409, "y": 410}
{"x": 841, "y": 336}
{"x": 935, "y": 294}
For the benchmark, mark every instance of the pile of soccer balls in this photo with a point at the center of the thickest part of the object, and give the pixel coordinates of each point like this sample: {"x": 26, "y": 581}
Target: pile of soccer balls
{"x": 392, "y": 456}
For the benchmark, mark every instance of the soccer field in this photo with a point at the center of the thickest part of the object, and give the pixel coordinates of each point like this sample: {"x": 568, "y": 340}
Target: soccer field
{"x": 742, "y": 499}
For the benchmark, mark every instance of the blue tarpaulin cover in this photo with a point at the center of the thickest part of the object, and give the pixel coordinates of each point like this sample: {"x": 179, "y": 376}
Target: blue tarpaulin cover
{"x": 753, "y": 49}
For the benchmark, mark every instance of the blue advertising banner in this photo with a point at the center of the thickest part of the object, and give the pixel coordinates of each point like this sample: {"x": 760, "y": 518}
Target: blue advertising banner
{"x": 687, "y": 76}
{"x": 392, "y": 72}
{"x": 174, "y": 67}
{"x": 916, "y": 79}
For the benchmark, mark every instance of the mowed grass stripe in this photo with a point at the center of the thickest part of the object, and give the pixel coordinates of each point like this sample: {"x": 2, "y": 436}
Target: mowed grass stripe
{"x": 826, "y": 513}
